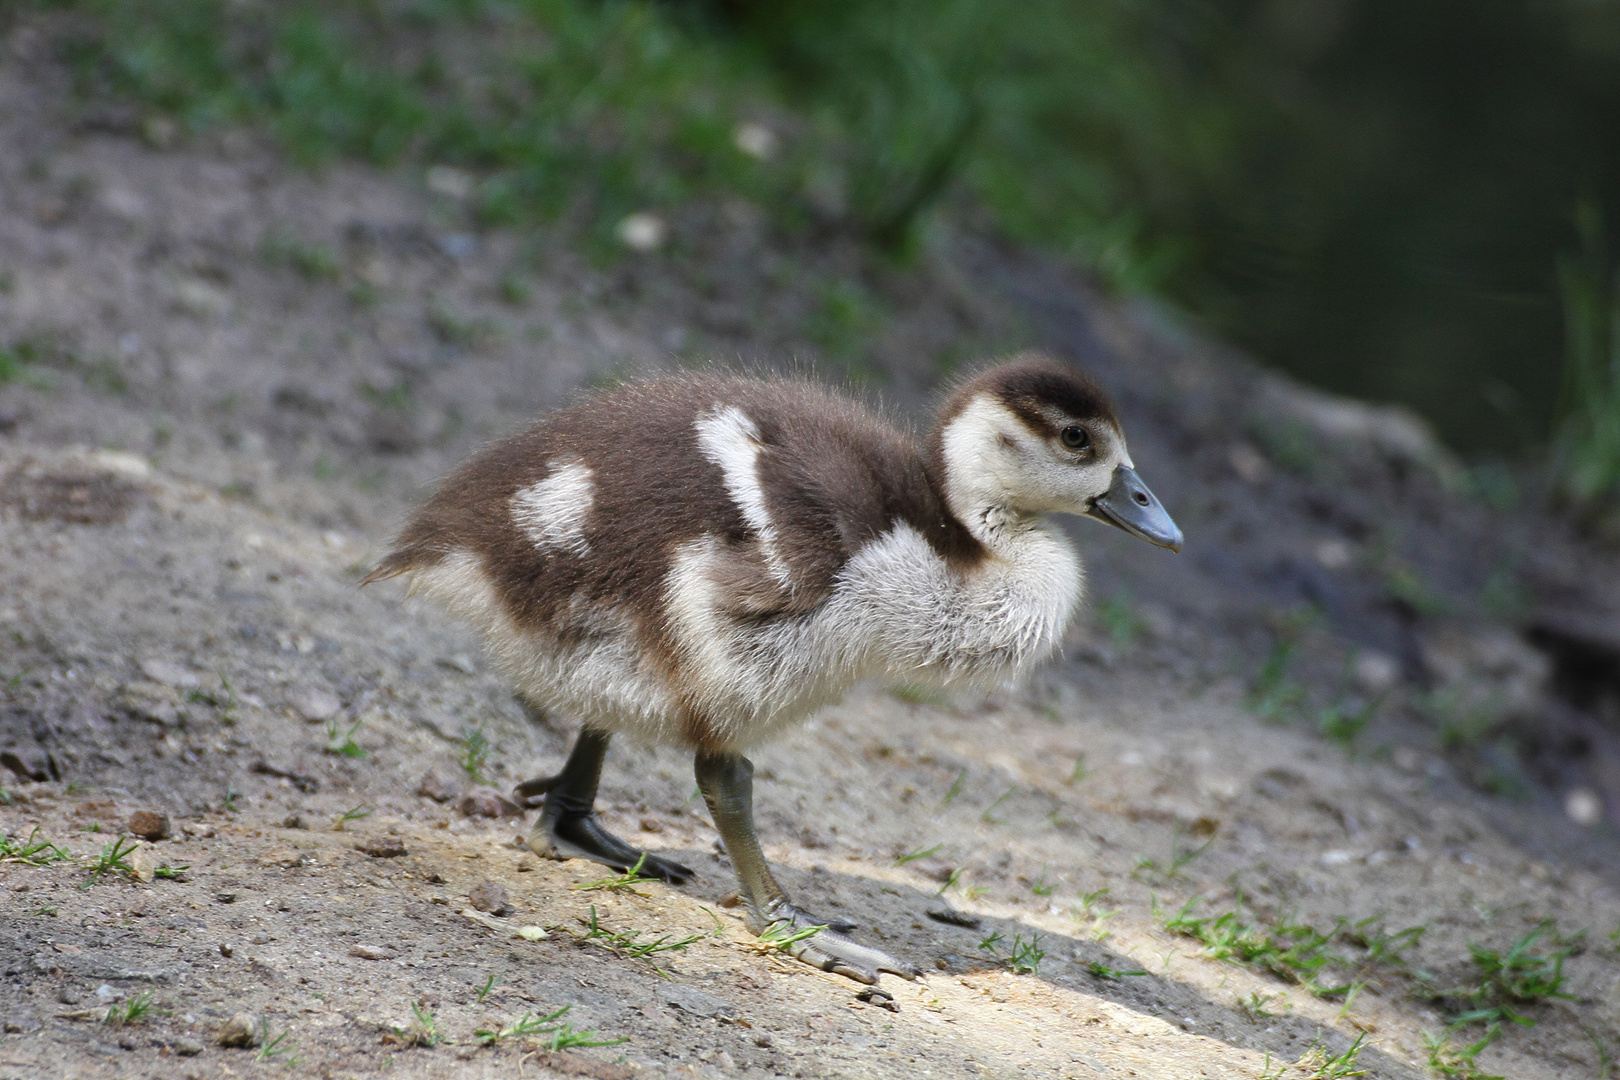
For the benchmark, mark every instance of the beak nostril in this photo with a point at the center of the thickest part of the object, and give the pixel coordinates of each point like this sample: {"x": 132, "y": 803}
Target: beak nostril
{"x": 1141, "y": 498}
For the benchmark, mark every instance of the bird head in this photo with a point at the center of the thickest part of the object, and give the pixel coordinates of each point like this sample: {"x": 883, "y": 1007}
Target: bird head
{"x": 1032, "y": 436}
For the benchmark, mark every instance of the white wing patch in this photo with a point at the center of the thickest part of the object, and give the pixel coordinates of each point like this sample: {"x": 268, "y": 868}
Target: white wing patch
{"x": 730, "y": 439}
{"x": 552, "y": 512}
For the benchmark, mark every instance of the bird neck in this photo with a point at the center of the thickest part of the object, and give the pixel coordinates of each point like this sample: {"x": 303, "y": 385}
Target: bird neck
{"x": 976, "y": 501}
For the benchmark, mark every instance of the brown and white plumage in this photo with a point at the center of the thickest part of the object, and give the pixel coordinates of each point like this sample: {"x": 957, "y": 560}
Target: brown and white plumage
{"x": 701, "y": 560}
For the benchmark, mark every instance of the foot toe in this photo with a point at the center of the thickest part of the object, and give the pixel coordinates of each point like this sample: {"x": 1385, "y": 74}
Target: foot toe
{"x": 830, "y": 950}
{"x": 666, "y": 870}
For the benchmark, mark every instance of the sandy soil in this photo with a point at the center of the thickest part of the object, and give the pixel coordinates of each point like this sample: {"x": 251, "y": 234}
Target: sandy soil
{"x": 214, "y": 431}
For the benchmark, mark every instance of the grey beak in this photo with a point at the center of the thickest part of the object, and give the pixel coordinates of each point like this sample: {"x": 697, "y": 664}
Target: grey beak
{"x": 1129, "y": 505}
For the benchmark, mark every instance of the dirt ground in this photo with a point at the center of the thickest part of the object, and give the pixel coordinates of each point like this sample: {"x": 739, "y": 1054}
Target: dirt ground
{"x": 230, "y": 380}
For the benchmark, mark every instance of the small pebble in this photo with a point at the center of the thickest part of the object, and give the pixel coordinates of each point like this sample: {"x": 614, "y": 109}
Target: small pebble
{"x": 226, "y": 950}
{"x": 382, "y": 847}
{"x": 762, "y": 1039}
{"x": 239, "y": 1030}
{"x": 170, "y": 674}
{"x": 1584, "y": 806}
{"x": 69, "y": 994}
{"x": 487, "y": 804}
{"x": 150, "y": 825}
{"x": 436, "y": 786}
{"x": 225, "y": 897}
{"x": 186, "y": 1046}
{"x": 642, "y": 232}
{"x": 372, "y": 952}
{"x": 651, "y": 824}
{"x": 142, "y": 866}
{"x": 294, "y": 821}
{"x": 490, "y": 896}
{"x": 313, "y": 704}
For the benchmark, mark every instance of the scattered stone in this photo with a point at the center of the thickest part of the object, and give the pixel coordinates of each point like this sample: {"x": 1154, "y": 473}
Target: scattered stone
{"x": 313, "y": 704}
{"x": 487, "y": 804}
{"x": 226, "y": 950}
{"x": 294, "y": 821}
{"x": 527, "y": 933}
{"x": 69, "y": 994}
{"x": 150, "y": 825}
{"x": 170, "y": 674}
{"x": 490, "y": 896}
{"x": 225, "y": 897}
{"x": 651, "y": 824}
{"x": 873, "y": 995}
{"x": 200, "y": 299}
{"x": 762, "y": 1039}
{"x": 449, "y": 181}
{"x": 302, "y": 781}
{"x": 29, "y": 763}
{"x": 689, "y": 999}
{"x": 952, "y": 917}
{"x": 436, "y": 786}
{"x": 372, "y": 952}
{"x": 1584, "y": 806}
{"x": 186, "y": 1046}
{"x": 1376, "y": 672}
{"x": 240, "y": 1030}
{"x": 755, "y": 139}
{"x": 382, "y": 847}
{"x": 642, "y": 232}
{"x": 142, "y": 866}
{"x": 198, "y": 829}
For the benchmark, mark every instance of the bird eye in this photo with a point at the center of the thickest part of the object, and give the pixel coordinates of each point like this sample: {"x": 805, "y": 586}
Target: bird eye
{"x": 1075, "y": 437}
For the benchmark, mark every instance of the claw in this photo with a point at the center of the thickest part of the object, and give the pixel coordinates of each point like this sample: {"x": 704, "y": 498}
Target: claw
{"x": 528, "y": 794}
{"x": 830, "y": 950}
{"x": 583, "y": 837}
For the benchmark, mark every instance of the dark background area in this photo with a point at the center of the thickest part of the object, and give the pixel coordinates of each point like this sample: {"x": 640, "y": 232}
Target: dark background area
{"x": 1373, "y": 195}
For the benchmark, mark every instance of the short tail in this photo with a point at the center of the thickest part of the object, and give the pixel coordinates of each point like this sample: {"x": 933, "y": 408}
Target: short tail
{"x": 395, "y": 564}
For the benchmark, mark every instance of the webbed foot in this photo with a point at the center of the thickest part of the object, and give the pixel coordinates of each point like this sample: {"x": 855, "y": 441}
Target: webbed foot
{"x": 581, "y": 836}
{"x": 825, "y": 947}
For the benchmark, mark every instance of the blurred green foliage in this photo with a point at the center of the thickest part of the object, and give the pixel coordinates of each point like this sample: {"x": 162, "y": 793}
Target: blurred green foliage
{"x": 1588, "y": 450}
{"x": 1372, "y": 193}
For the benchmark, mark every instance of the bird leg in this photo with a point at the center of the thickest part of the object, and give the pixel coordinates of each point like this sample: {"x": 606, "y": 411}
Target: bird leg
{"x": 568, "y": 827}
{"x": 727, "y": 783}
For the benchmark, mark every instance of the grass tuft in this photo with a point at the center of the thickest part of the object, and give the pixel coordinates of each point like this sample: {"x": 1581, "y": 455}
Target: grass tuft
{"x": 475, "y": 751}
{"x": 34, "y": 851}
{"x": 1293, "y": 951}
{"x": 132, "y": 1011}
{"x": 625, "y": 882}
{"x": 352, "y": 814}
{"x": 339, "y": 741}
{"x": 1506, "y": 982}
{"x": 553, "y": 1034}
{"x": 1325, "y": 1066}
{"x": 1023, "y": 956}
{"x": 629, "y": 945}
{"x": 113, "y": 859}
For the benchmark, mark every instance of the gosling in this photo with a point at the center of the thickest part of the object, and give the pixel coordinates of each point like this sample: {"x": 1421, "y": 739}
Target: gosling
{"x": 703, "y": 560}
